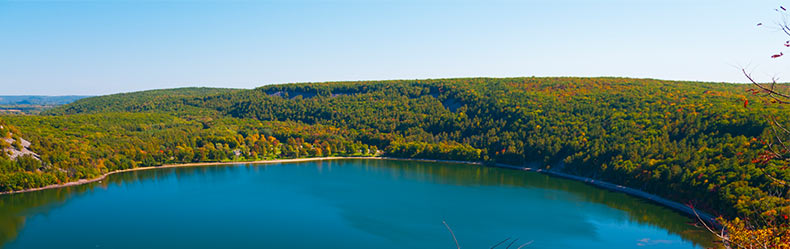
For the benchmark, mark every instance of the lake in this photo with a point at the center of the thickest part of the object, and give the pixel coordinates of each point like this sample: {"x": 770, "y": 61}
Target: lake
{"x": 353, "y": 203}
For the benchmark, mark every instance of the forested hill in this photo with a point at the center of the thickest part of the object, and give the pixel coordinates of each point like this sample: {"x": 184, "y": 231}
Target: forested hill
{"x": 166, "y": 100}
{"x": 688, "y": 141}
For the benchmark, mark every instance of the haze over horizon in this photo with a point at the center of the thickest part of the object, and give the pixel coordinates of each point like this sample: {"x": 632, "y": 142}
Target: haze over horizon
{"x": 94, "y": 48}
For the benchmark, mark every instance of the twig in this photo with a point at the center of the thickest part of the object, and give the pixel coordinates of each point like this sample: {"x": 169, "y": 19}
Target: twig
{"x": 525, "y": 244}
{"x": 511, "y": 243}
{"x": 776, "y": 135}
{"x": 497, "y": 244}
{"x": 451, "y": 233}
{"x": 780, "y": 126}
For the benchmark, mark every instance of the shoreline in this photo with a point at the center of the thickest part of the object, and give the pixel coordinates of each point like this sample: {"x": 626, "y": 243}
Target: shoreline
{"x": 688, "y": 211}
{"x": 180, "y": 165}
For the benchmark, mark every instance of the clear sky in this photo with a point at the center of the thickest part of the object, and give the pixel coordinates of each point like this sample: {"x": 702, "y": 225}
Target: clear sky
{"x": 101, "y": 47}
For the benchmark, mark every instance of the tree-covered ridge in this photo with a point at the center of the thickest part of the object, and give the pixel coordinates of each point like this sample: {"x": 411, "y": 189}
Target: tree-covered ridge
{"x": 687, "y": 141}
{"x": 161, "y": 100}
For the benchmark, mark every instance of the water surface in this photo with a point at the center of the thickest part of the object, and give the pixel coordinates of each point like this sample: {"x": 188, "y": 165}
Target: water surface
{"x": 337, "y": 204}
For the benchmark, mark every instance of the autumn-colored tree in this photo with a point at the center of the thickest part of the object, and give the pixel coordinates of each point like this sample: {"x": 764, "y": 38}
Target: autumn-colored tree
{"x": 771, "y": 229}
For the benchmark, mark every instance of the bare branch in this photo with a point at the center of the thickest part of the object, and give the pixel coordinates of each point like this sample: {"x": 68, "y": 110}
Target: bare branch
{"x": 770, "y": 91}
{"x": 721, "y": 236}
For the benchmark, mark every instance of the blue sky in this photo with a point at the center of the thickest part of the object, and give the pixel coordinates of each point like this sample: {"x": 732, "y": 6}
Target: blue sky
{"x": 101, "y": 47}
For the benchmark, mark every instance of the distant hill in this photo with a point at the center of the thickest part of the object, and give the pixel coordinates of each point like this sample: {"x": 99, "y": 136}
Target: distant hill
{"x": 33, "y": 104}
{"x": 151, "y": 100}
{"x": 38, "y": 99}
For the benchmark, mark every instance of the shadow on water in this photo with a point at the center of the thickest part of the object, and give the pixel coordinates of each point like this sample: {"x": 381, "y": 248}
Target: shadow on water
{"x": 16, "y": 208}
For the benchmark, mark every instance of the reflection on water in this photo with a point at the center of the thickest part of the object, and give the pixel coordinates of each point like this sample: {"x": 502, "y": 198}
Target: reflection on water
{"x": 15, "y": 207}
{"x": 638, "y": 210}
{"x": 407, "y": 192}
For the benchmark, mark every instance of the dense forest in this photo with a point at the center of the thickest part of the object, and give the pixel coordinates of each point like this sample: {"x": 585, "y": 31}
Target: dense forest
{"x": 691, "y": 142}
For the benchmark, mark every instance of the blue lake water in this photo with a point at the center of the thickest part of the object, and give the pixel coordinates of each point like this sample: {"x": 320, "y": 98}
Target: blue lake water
{"x": 338, "y": 204}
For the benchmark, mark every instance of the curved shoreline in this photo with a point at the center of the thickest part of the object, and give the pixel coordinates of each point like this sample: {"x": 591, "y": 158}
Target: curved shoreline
{"x": 711, "y": 220}
{"x": 684, "y": 209}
